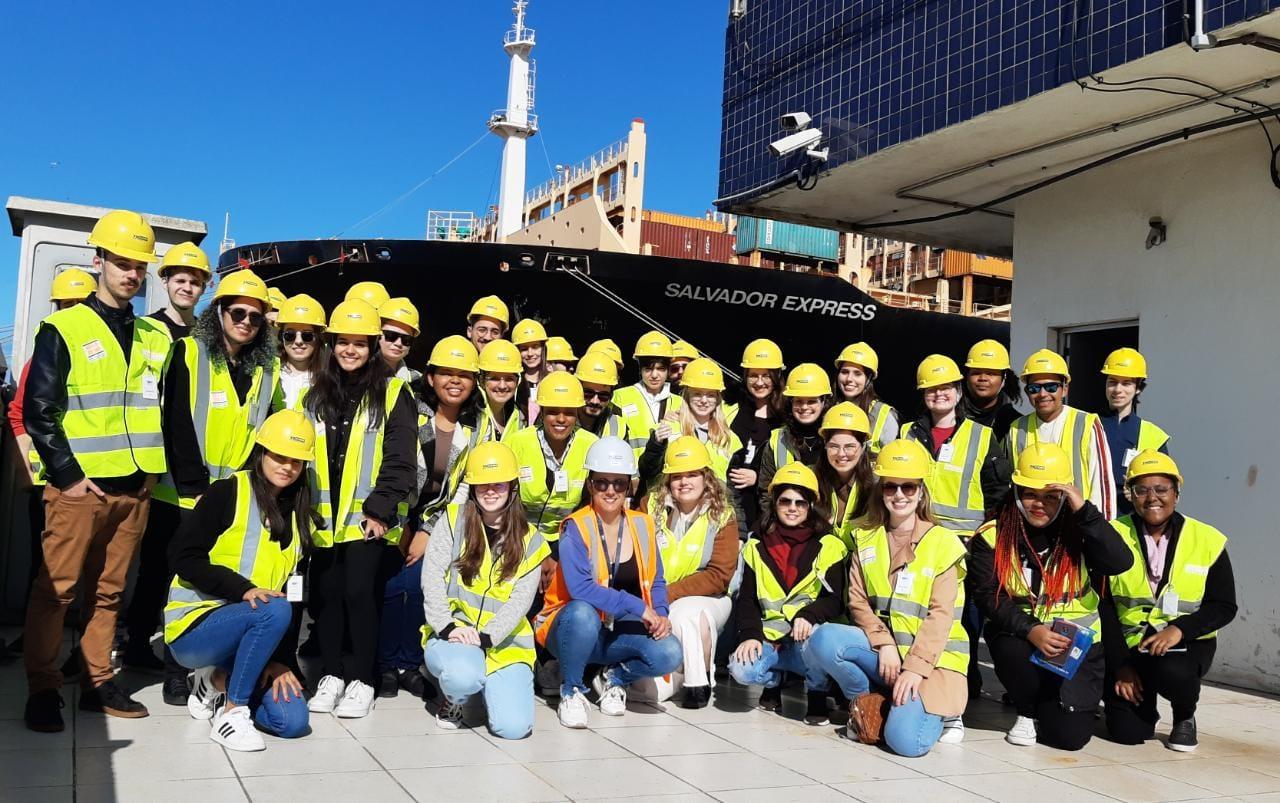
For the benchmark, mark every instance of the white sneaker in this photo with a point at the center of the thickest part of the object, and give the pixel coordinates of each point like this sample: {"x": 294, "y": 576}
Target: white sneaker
{"x": 449, "y": 716}
{"x": 204, "y": 698}
{"x": 1023, "y": 732}
{"x": 327, "y": 695}
{"x": 572, "y": 710}
{"x": 357, "y": 701}
{"x": 613, "y": 703}
{"x": 952, "y": 730}
{"x": 234, "y": 730}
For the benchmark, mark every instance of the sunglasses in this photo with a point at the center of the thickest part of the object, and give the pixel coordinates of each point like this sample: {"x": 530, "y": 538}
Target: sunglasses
{"x": 792, "y": 501}
{"x": 907, "y": 488}
{"x": 1048, "y": 387}
{"x": 392, "y": 336}
{"x": 598, "y": 394}
{"x": 601, "y": 484}
{"x": 239, "y": 314}
{"x": 295, "y": 335}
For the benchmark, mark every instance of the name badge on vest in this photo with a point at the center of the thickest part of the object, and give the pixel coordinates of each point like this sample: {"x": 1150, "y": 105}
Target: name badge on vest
{"x": 867, "y": 555}
{"x": 218, "y": 398}
{"x": 905, "y": 584}
{"x": 629, "y": 410}
{"x": 94, "y": 351}
{"x": 1129, "y": 454}
{"x": 1169, "y": 602}
{"x": 293, "y": 588}
{"x": 662, "y": 540}
{"x": 150, "y": 386}
{"x": 561, "y": 479}
{"x": 526, "y": 473}
{"x": 947, "y": 452}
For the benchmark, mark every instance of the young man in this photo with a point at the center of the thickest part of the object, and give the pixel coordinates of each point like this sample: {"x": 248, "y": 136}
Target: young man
{"x": 488, "y": 320}
{"x": 185, "y": 273}
{"x": 647, "y": 403}
{"x": 1127, "y": 433}
{"x": 599, "y": 376}
{"x": 92, "y": 408}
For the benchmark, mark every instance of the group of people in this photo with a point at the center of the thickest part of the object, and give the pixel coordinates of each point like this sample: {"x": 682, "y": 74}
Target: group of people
{"x": 510, "y": 521}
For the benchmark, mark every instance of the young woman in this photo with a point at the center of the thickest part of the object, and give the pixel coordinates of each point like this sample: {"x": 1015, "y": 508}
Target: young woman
{"x": 793, "y": 581}
{"x": 1045, "y": 557}
{"x": 701, "y": 414}
{"x": 698, "y": 543}
{"x": 1125, "y": 371}
{"x": 229, "y": 615}
{"x": 906, "y": 644}
{"x": 481, "y": 575}
{"x": 560, "y": 356}
{"x": 844, "y": 471}
{"x": 530, "y": 338}
{"x": 301, "y": 324}
{"x": 808, "y": 393}
{"x": 607, "y": 603}
{"x": 990, "y": 388}
{"x": 366, "y": 427}
{"x": 399, "y": 328}
{"x": 500, "y": 376}
{"x": 856, "y": 370}
{"x": 758, "y": 413}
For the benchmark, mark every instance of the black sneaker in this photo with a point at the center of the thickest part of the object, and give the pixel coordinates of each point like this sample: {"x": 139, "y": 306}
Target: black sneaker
{"x": 112, "y": 700}
{"x": 1183, "y": 736}
{"x": 176, "y": 690}
{"x": 73, "y": 667}
{"x": 389, "y": 684}
{"x": 696, "y": 697}
{"x": 817, "y": 712}
{"x": 412, "y": 681}
{"x": 771, "y": 699}
{"x": 44, "y": 712}
{"x": 142, "y": 659}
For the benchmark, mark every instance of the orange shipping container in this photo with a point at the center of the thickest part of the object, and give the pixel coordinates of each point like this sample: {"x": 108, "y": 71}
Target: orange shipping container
{"x": 962, "y": 263}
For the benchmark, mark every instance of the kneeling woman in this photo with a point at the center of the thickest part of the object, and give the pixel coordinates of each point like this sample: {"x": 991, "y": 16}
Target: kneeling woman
{"x": 1035, "y": 564}
{"x": 228, "y": 616}
{"x": 905, "y": 589}
{"x": 481, "y": 575}
{"x": 792, "y": 582}
{"x": 607, "y": 603}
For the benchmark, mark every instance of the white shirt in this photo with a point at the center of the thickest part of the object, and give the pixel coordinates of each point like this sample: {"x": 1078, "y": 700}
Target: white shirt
{"x": 292, "y": 383}
{"x": 654, "y": 400}
{"x": 1098, "y": 462}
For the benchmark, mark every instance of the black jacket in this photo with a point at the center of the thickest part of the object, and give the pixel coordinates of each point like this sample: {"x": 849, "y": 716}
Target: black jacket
{"x": 399, "y": 470}
{"x": 996, "y": 470}
{"x": 999, "y": 417}
{"x": 829, "y": 605}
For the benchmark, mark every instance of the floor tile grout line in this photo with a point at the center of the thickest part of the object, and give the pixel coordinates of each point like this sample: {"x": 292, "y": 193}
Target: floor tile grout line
{"x": 382, "y": 767}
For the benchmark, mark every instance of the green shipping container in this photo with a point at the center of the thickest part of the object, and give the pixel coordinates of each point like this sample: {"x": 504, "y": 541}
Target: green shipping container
{"x": 777, "y": 237}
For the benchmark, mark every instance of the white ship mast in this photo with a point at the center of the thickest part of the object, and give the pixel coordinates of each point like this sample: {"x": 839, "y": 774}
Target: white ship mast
{"x": 515, "y": 124}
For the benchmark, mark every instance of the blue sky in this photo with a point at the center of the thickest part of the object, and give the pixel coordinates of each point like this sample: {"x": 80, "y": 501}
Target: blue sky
{"x": 301, "y": 123}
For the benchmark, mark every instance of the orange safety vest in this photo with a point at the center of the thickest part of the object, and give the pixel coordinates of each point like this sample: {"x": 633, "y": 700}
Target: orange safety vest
{"x": 644, "y": 545}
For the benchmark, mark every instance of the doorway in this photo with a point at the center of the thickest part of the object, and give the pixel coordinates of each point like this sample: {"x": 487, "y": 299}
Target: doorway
{"x": 1085, "y": 349}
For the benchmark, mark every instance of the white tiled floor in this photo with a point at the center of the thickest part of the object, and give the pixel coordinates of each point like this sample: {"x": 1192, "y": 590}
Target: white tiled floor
{"x": 729, "y": 752}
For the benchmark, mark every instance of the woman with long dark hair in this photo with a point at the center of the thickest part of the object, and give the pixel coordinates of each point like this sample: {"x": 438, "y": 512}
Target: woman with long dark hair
{"x": 499, "y": 378}
{"x": 530, "y": 337}
{"x": 1045, "y": 559}
{"x": 758, "y": 412}
{"x": 856, "y": 370}
{"x": 844, "y": 472}
{"x": 808, "y": 394}
{"x": 363, "y": 476}
{"x": 301, "y": 324}
{"x": 229, "y": 615}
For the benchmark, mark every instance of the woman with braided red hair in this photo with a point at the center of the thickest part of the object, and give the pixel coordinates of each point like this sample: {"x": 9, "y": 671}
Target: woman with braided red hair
{"x": 1046, "y": 558}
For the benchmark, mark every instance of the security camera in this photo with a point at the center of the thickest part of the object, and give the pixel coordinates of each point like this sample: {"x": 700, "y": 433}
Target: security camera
{"x": 794, "y": 142}
{"x": 795, "y": 121}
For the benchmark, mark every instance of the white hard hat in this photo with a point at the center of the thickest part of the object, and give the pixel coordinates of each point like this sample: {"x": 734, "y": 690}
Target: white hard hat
{"x": 611, "y": 455}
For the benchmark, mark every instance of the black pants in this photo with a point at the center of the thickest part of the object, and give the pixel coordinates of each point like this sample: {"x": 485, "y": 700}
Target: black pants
{"x": 151, "y": 588}
{"x": 1035, "y": 693}
{"x": 1174, "y": 676}
{"x": 348, "y": 583}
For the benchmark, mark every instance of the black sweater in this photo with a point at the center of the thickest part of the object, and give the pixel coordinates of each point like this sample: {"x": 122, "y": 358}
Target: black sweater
{"x": 829, "y": 605}
{"x": 399, "y": 470}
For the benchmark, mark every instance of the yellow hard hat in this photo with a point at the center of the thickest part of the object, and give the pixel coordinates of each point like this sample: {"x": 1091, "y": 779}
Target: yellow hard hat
{"x": 243, "y": 283}
{"x": 559, "y": 350}
{"x": 608, "y": 347}
{"x": 762, "y": 353}
{"x": 355, "y": 317}
{"x": 902, "y": 459}
{"x": 653, "y": 345}
{"x": 1152, "y": 461}
{"x": 73, "y": 284}
{"x": 1125, "y": 362}
{"x": 807, "y": 380}
{"x": 302, "y": 310}
{"x": 528, "y": 331}
{"x": 1041, "y": 465}
{"x": 683, "y": 350}
{"x": 685, "y": 453}
{"x": 937, "y": 369}
{"x": 402, "y": 311}
{"x": 1046, "y": 361}
{"x": 491, "y": 462}
{"x": 288, "y": 433}
{"x": 988, "y": 355}
{"x": 371, "y": 293}
{"x": 860, "y": 354}
{"x": 797, "y": 474}
{"x": 187, "y": 256}
{"x": 560, "y": 389}
{"x": 597, "y": 368}
{"x": 703, "y": 374}
{"x": 845, "y": 415}
{"x": 500, "y": 357}
{"x": 454, "y": 351}
{"x": 490, "y": 307}
{"x": 275, "y": 298}
{"x": 125, "y": 234}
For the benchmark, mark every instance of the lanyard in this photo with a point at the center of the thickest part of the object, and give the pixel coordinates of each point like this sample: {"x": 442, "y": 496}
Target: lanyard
{"x": 552, "y": 462}
{"x": 617, "y": 552}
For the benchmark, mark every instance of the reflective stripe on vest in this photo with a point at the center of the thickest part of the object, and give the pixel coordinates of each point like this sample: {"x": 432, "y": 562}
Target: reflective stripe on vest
{"x": 1075, "y": 431}
{"x": 457, "y": 466}
{"x": 640, "y": 423}
{"x": 1199, "y": 547}
{"x": 843, "y": 527}
{"x": 245, "y": 547}
{"x": 545, "y": 508}
{"x": 690, "y": 553}
{"x": 879, "y": 415}
{"x": 780, "y": 445}
{"x": 955, "y": 486}
{"x": 1081, "y": 609}
{"x": 778, "y": 606}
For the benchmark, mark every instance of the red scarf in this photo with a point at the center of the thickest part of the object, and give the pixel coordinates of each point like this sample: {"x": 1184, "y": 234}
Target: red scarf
{"x": 785, "y": 545}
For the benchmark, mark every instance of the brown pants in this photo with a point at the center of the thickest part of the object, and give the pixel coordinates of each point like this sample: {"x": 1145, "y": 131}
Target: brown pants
{"x": 88, "y": 543}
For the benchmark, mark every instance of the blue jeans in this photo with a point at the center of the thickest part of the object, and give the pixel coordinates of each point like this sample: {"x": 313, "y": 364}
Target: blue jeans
{"x": 508, "y": 693}
{"x": 776, "y": 659}
{"x": 400, "y": 632}
{"x": 845, "y": 654}
{"x": 578, "y": 637}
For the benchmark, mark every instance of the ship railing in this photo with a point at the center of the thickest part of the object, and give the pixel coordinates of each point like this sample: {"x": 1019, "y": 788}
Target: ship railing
{"x": 602, "y": 159}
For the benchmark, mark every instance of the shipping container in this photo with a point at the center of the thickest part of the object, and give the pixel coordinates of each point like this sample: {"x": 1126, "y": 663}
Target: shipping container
{"x": 787, "y": 238}
{"x": 962, "y": 263}
{"x": 684, "y": 221}
{"x": 683, "y": 242}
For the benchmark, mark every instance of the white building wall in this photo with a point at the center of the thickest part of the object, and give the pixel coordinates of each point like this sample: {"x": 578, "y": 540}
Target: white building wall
{"x": 1208, "y": 304}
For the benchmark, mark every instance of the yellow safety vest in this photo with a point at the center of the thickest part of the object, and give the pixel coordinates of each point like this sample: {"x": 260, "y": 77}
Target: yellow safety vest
{"x": 246, "y": 547}
{"x": 112, "y": 421}
{"x": 955, "y": 484}
{"x": 488, "y": 427}
{"x": 453, "y": 473}
{"x": 224, "y": 427}
{"x": 359, "y": 477}
{"x": 879, "y": 415}
{"x": 474, "y": 604}
{"x": 904, "y": 613}
{"x": 844, "y": 527}
{"x": 1199, "y": 547}
{"x": 1150, "y": 436}
{"x": 780, "y": 607}
{"x": 1076, "y": 432}
{"x": 633, "y": 407}
{"x": 1081, "y": 609}
{"x": 543, "y": 505}
{"x": 780, "y": 444}
{"x": 720, "y": 456}
{"x": 691, "y": 553}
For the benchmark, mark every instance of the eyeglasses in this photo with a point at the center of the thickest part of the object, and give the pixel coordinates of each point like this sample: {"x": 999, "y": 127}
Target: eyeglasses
{"x": 1143, "y": 491}
{"x": 295, "y": 335}
{"x": 792, "y": 501}
{"x": 907, "y": 488}
{"x": 602, "y": 484}
{"x": 597, "y": 394}
{"x": 1048, "y": 387}
{"x": 238, "y": 315}
{"x": 392, "y": 336}
{"x": 843, "y": 448}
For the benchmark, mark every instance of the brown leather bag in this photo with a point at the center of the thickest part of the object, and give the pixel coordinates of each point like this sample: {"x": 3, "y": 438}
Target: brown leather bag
{"x": 867, "y": 713}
